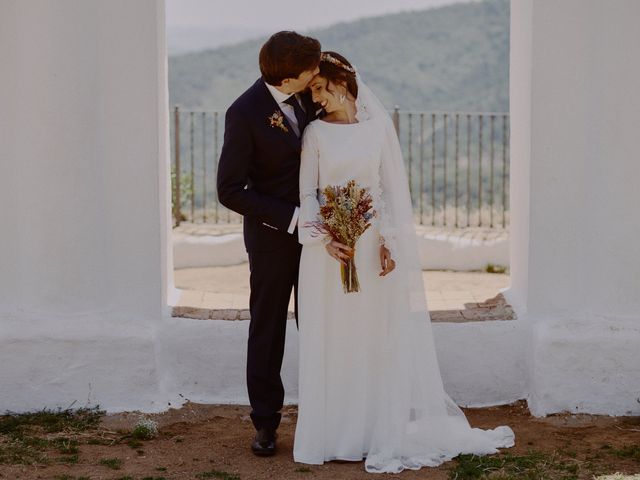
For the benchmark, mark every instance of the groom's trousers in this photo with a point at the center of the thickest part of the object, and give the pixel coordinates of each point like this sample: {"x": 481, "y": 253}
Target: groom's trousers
{"x": 273, "y": 276}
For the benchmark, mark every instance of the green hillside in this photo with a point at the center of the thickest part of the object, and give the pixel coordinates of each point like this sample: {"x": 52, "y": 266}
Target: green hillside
{"x": 449, "y": 58}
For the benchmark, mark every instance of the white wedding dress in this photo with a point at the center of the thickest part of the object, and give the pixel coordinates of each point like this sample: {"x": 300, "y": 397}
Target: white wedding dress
{"x": 369, "y": 380}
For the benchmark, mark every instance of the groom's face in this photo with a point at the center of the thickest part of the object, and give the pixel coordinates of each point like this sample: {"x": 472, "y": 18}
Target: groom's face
{"x": 295, "y": 85}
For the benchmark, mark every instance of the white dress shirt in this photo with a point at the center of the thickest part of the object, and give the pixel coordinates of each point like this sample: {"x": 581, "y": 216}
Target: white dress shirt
{"x": 287, "y": 109}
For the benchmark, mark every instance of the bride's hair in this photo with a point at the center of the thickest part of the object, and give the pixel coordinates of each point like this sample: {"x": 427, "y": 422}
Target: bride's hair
{"x": 337, "y": 70}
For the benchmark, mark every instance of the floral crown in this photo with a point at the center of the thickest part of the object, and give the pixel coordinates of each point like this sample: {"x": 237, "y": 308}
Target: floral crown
{"x": 326, "y": 57}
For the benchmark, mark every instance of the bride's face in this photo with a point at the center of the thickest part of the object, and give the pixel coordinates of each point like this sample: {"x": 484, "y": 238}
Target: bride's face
{"x": 327, "y": 94}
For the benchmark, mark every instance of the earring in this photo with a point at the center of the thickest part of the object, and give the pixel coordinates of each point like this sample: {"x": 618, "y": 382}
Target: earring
{"x": 342, "y": 98}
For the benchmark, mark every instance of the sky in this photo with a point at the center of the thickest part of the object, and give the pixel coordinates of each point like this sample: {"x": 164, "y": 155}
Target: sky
{"x": 274, "y": 15}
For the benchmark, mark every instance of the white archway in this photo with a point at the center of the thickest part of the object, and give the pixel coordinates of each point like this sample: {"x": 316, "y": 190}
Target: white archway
{"x": 86, "y": 268}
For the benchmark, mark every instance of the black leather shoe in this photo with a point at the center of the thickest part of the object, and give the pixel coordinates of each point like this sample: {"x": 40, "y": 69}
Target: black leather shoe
{"x": 264, "y": 445}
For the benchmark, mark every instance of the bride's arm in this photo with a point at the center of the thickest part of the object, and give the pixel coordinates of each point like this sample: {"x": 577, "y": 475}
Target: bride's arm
{"x": 309, "y": 177}
{"x": 387, "y": 230}
{"x": 387, "y": 243}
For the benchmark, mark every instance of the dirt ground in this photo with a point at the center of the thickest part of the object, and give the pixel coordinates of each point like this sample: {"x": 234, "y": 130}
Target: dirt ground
{"x": 212, "y": 441}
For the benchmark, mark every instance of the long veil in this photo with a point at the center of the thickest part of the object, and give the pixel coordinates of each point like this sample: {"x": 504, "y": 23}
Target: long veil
{"x": 420, "y": 425}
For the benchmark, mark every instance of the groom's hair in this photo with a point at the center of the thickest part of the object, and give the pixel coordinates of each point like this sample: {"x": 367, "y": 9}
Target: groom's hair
{"x": 287, "y": 55}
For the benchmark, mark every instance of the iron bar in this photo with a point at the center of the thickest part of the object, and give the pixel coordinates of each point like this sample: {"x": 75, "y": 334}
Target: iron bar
{"x": 444, "y": 164}
{"x": 204, "y": 168}
{"x": 396, "y": 119}
{"x": 491, "y": 197}
{"x": 176, "y": 202}
{"x": 421, "y": 167}
{"x": 479, "y": 170}
{"x": 216, "y": 212}
{"x": 433, "y": 169}
{"x": 468, "y": 170}
{"x": 457, "y": 168}
{"x": 504, "y": 171}
{"x": 410, "y": 157}
{"x": 193, "y": 190}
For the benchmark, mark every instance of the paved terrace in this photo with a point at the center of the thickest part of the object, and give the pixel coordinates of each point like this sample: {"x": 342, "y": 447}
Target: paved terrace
{"x": 223, "y": 292}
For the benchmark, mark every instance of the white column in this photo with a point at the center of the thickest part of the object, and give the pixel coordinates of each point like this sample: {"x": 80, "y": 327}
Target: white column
{"x": 520, "y": 150}
{"x": 83, "y": 159}
{"x": 576, "y": 118}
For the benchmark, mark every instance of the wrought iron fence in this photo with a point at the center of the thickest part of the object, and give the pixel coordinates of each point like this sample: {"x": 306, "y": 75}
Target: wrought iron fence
{"x": 457, "y": 166}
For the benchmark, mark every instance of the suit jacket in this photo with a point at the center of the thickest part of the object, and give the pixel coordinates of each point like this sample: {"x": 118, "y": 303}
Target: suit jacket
{"x": 259, "y": 168}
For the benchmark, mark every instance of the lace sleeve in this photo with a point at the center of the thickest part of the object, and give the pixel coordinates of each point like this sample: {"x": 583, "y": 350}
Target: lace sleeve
{"x": 386, "y": 226}
{"x": 309, "y": 177}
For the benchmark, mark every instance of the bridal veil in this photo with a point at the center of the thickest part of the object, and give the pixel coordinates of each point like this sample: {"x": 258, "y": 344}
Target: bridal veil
{"x": 418, "y": 423}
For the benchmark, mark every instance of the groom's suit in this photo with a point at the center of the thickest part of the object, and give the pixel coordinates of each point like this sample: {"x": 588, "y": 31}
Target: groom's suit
{"x": 258, "y": 178}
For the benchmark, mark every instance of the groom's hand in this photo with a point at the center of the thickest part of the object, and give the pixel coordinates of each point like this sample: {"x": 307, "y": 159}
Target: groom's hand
{"x": 387, "y": 263}
{"x": 339, "y": 251}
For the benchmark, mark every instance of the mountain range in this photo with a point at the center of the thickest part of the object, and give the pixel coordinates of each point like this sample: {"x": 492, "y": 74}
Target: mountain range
{"x": 453, "y": 58}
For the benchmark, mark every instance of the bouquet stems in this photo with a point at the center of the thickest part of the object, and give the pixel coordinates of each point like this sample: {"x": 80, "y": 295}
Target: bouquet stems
{"x": 349, "y": 275}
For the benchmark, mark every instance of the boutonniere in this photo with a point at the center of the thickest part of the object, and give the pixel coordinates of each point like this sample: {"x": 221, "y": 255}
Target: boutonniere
{"x": 277, "y": 120}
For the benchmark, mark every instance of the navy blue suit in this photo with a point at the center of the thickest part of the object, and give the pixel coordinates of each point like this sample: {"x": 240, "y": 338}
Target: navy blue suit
{"x": 258, "y": 178}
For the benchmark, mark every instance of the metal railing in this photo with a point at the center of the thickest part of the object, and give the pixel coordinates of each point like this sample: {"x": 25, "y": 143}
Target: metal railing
{"x": 457, "y": 166}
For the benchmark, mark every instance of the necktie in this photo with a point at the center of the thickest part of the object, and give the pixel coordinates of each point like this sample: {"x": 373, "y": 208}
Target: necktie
{"x": 297, "y": 109}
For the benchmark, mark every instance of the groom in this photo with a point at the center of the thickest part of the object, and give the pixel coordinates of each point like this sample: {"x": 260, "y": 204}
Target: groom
{"x": 258, "y": 178}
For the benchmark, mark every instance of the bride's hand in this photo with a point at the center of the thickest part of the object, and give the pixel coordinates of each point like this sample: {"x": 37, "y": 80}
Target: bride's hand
{"x": 387, "y": 263}
{"x": 339, "y": 251}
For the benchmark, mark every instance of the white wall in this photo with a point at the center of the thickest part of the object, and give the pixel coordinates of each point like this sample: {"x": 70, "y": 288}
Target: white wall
{"x": 575, "y": 121}
{"x": 82, "y": 162}
{"x": 482, "y": 363}
{"x": 520, "y": 150}
{"x": 437, "y": 250}
{"x": 85, "y": 268}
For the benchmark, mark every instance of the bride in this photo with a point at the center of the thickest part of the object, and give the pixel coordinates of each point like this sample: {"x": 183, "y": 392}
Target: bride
{"x": 369, "y": 380}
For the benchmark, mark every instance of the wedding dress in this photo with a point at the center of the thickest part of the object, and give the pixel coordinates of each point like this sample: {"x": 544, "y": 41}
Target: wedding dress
{"x": 369, "y": 381}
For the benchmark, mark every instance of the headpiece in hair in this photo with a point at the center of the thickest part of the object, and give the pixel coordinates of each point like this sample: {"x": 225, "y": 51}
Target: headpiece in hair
{"x": 326, "y": 57}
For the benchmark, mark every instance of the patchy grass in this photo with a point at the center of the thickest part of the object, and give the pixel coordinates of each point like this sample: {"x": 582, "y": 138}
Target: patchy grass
{"x": 112, "y": 463}
{"x": 66, "y": 445}
{"x": 134, "y": 444}
{"x": 59, "y": 443}
{"x": 493, "y": 268}
{"x": 50, "y": 421}
{"x": 100, "y": 441}
{"x": 561, "y": 464}
{"x": 628, "y": 451}
{"x": 217, "y": 474}
{"x": 26, "y": 437}
{"x": 21, "y": 451}
{"x": 69, "y": 459}
{"x": 532, "y": 466}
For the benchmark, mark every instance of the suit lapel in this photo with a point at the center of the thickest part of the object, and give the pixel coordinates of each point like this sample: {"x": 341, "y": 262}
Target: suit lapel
{"x": 267, "y": 106}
